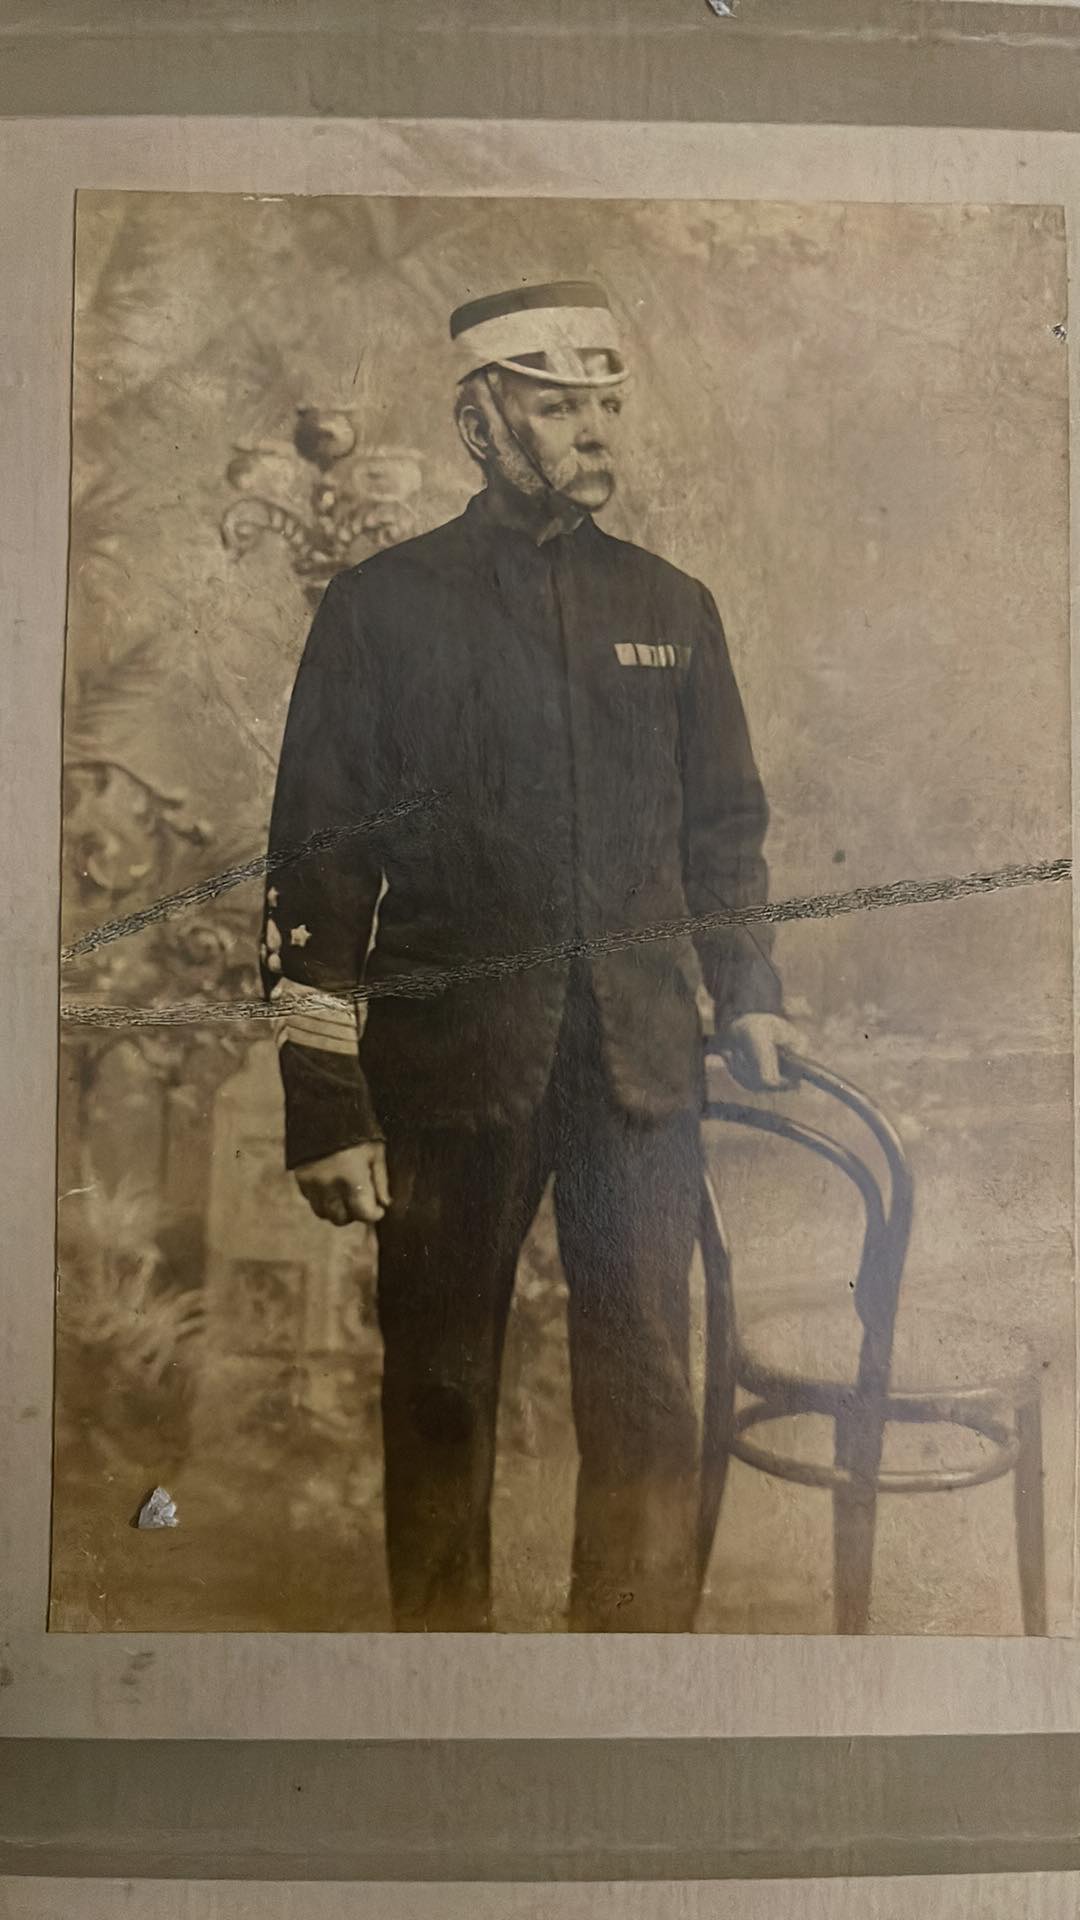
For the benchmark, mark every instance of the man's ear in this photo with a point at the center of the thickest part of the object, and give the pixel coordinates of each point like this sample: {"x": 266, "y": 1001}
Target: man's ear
{"x": 474, "y": 430}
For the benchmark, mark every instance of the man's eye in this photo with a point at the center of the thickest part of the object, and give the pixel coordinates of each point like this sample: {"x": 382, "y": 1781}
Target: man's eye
{"x": 612, "y": 406}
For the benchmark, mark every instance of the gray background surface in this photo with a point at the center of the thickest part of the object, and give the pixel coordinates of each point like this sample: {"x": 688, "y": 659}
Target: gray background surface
{"x": 540, "y": 1811}
{"x": 891, "y": 64}
{"x": 846, "y": 62}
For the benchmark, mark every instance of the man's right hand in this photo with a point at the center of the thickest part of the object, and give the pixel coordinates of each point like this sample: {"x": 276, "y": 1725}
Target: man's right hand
{"x": 347, "y": 1186}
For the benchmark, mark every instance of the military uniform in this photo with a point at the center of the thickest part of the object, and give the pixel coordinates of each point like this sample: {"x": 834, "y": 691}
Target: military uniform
{"x": 566, "y": 718}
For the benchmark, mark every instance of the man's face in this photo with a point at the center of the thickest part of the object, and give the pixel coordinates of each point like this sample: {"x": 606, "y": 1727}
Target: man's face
{"x": 569, "y": 433}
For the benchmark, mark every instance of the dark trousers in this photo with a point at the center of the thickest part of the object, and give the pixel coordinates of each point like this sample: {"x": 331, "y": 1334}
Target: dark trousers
{"x": 627, "y": 1198}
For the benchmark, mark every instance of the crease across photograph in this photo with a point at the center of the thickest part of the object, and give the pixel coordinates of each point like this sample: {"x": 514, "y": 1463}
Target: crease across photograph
{"x": 566, "y": 1101}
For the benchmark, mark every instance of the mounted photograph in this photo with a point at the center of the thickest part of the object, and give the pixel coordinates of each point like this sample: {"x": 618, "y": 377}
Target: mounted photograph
{"x": 566, "y": 1096}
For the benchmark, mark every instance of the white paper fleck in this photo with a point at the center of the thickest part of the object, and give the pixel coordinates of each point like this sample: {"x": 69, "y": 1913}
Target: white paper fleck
{"x": 159, "y": 1510}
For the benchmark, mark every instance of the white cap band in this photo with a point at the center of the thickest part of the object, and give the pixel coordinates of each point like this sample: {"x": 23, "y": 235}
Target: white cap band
{"x": 556, "y": 333}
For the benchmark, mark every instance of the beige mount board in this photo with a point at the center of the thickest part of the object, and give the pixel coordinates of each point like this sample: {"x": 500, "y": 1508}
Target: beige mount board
{"x": 345, "y": 1684}
{"x": 1048, "y": 1896}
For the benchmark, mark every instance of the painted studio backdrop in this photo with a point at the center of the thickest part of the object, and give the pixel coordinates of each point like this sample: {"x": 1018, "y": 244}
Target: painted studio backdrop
{"x": 851, "y": 424}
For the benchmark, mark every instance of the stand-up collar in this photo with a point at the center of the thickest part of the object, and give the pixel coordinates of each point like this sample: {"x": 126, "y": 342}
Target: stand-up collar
{"x": 484, "y": 515}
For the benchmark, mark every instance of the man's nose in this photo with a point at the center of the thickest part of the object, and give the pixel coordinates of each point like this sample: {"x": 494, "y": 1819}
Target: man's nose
{"x": 592, "y": 432}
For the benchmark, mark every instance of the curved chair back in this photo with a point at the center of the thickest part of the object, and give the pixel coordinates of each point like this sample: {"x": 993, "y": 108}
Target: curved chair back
{"x": 887, "y": 1204}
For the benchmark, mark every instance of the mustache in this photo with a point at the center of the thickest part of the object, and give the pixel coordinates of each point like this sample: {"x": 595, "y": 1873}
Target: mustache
{"x": 568, "y": 472}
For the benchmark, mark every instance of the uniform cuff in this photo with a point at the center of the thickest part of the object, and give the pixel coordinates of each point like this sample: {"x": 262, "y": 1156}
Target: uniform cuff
{"x": 747, "y": 983}
{"x": 328, "y": 1105}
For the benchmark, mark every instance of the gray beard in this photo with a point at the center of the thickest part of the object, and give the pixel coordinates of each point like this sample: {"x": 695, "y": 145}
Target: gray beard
{"x": 526, "y": 475}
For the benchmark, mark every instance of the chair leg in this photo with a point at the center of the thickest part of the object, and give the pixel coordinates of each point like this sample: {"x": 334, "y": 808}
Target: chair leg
{"x": 858, "y": 1451}
{"x": 719, "y": 1408}
{"x": 1030, "y": 1521}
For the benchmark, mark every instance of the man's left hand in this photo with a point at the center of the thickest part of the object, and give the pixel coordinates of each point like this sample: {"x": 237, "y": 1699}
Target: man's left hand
{"x": 751, "y": 1048}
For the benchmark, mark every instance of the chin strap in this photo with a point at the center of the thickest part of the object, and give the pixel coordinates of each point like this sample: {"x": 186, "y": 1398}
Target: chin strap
{"x": 516, "y": 437}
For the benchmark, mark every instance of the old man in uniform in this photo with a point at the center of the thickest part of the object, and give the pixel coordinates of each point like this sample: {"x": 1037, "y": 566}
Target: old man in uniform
{"x": 520, "y": 748}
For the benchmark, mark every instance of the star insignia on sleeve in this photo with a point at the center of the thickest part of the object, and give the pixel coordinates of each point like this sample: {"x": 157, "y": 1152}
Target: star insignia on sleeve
{"x": 298, "y": 936}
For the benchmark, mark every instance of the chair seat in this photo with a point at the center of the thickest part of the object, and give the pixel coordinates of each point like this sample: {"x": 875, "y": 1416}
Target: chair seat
{"x": 933, "y": 1353}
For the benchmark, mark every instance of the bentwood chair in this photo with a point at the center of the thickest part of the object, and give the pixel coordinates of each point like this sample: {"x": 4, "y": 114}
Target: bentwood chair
{"x": 865, "y": 1369}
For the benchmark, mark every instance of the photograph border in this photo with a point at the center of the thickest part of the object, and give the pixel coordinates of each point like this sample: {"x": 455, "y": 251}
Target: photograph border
{"x": 381, "y": 1686}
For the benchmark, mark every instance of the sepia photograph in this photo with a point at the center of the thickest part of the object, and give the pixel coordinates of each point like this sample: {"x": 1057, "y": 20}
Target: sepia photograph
{"x": 566, "y": 1093}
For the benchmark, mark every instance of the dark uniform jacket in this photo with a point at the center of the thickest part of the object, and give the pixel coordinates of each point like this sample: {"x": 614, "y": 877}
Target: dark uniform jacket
{"x": 566, "y": 716}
